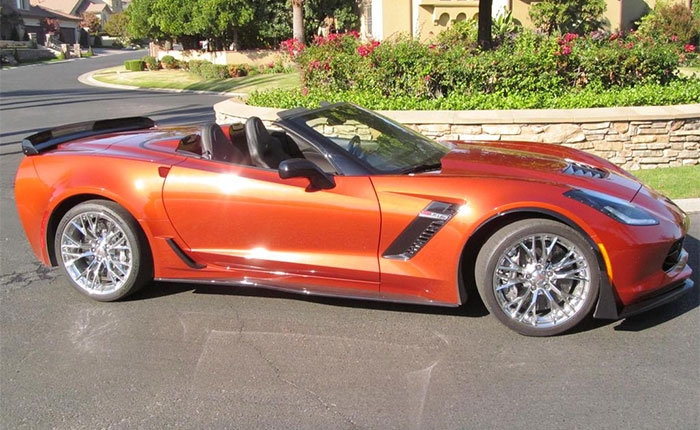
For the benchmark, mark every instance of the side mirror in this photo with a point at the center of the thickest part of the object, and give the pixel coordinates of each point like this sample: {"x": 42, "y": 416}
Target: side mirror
{"x": 301, "y": 168}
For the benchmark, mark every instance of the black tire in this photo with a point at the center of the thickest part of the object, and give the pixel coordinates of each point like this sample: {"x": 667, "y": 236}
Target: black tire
{"x": 141, "y": 264}
{"x": 507, "y": 240}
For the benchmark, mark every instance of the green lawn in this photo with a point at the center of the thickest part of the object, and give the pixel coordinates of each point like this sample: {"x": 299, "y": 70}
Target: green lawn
{"x": 674, "y": 182}
{"x": 179, "y": 79}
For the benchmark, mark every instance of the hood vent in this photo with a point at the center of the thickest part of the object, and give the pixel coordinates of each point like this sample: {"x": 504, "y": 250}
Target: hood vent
{"x": 580, "y": 169}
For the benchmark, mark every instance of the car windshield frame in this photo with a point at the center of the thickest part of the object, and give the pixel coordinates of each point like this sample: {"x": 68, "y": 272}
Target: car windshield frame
{"x": 421, "y": 154}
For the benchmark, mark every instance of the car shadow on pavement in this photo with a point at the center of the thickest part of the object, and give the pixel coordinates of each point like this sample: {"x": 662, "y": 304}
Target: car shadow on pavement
{"x": 473, "y": 308}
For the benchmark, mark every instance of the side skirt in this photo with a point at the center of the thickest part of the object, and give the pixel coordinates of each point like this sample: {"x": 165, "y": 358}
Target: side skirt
{"x": 313, "y": 290}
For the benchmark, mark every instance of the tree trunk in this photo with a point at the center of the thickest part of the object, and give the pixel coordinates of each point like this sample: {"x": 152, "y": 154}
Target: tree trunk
{"x": 484, "y": 36}
{"x": 298, "y": 19}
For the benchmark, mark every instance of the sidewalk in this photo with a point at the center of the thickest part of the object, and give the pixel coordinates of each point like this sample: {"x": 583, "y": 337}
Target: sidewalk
{"x": 688, "y": 205}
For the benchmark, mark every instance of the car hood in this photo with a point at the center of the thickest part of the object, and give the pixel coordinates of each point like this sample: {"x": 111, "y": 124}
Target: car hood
{"x": 539, "y": 162}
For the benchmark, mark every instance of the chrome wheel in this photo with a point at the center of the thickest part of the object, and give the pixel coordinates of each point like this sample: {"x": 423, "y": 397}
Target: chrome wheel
{"x": 96, "y": 252}
{"x": 542, "y": 281}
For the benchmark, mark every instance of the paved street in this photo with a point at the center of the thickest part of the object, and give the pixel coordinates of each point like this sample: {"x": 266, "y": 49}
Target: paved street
{"x": 220, "y": 357}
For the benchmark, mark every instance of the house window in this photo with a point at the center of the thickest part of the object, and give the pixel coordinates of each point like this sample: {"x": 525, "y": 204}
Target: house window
{"x": 368, "y": 15}
{"x": 23, "y": 4}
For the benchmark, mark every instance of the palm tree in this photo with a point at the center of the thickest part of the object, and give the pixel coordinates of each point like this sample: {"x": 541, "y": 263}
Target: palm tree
{"x": 298, "y": 20}
{"x": 484, "y": 35}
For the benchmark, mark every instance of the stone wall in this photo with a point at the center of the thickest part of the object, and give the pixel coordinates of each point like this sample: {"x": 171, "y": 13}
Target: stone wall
{"x": 630, "y": 144}
{"x": 24, "y": 55}
{"x": 632, "y": 137}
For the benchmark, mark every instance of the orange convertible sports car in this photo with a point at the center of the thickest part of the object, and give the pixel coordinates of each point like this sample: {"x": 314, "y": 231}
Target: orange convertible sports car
{"x": 340, "y": 201}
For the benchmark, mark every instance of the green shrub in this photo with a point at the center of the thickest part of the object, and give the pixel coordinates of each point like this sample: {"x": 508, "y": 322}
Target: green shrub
{"x": 208, "y": 70}
{"x": 182, "y": 64}
{"x": 463, "y": 33}
{"x": 672, "y": 21}
{"x": 194, "y": 65}
{"x": 169, "y": 62}
{"x": 151, "y": 62}
{"x": 568, "y": 16}
{"x": 135, "y": 65}
{"x": 61, "y": 56}
{"x": 213, "y": 71}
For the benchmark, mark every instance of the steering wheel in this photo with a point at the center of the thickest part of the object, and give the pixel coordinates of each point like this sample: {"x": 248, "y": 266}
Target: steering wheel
{"x": 354, "y": 146}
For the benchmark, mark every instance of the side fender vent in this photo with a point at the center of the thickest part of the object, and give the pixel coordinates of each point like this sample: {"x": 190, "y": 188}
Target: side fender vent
{"x": 419, "y": 232}
{"x": 580, "y": 169}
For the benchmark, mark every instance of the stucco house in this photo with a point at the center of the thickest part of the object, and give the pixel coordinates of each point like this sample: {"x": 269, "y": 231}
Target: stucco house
{"x": 381, "y": 19}
{"x": 32, "y": 14}
{"x": 102, "y": 8}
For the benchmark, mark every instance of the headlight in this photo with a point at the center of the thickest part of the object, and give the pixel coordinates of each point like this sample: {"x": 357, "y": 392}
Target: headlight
{"x": 613, "y": 207}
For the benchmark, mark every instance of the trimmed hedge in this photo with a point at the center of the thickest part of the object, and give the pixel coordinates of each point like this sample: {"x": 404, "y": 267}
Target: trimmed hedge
{"x": 680, "y": 91}
{"x": 135, "y": 65}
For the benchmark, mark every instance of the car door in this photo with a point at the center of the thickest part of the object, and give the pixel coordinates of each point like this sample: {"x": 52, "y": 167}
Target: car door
{"x": 248, "y": 220}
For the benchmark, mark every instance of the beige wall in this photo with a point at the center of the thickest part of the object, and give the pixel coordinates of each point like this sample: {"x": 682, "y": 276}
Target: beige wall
{"x": 435, "y": 15}
{"x": 396, "y": 17}
{"x": 521, "y": 11}
{"x": 620, "y": 14}
{"x": 254, "y": 57}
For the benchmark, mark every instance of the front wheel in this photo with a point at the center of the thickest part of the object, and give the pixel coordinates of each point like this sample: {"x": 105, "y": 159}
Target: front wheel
{"x": 102, "y": 250}
{"x": 538, "y": 277}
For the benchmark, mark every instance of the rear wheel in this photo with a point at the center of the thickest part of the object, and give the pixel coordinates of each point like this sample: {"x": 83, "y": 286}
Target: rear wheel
{"x": 538, "y": 277}
{"x": 102, "y": 250}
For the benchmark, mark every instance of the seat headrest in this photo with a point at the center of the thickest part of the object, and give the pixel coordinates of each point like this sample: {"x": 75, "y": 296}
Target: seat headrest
{"x": 216, "y": 146}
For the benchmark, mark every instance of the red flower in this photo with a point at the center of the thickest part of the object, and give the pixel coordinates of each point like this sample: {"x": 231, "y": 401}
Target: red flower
{"x": 674, "y": 38}
{"x": 629, "y": 45}
{"x": 566, "y": 50}
{"x": 614, "y": 36}
{"x": 292, "y": 46}
{"x": 427, "y": 78}
{"x": 689, "y": 48}
{"x": 304, "y": 91}
{"x": 570, "y": 36}
{"x": 365, "y": 50}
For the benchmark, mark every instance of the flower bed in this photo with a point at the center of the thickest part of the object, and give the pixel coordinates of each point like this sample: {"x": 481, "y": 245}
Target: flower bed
{"x": 527, "y": 70}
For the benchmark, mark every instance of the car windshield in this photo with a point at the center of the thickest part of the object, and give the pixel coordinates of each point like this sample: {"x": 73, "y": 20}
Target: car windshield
{"x": 384, "y": 145}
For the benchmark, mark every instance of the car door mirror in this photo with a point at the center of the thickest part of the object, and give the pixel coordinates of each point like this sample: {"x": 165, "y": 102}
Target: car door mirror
{"x": 301, "y": 168}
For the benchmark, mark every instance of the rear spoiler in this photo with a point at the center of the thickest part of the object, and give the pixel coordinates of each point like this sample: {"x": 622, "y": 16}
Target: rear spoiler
{"x": 47, "y": 139}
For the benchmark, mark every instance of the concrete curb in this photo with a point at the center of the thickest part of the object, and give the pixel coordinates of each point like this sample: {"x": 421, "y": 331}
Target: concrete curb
{"x": 688, "y": 205}
{"x": 88, "y": 79}
{"x": 517, "y": 116}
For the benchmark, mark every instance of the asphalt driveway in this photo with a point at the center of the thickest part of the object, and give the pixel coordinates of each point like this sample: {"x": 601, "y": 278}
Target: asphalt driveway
{"x": 223, "y": 357}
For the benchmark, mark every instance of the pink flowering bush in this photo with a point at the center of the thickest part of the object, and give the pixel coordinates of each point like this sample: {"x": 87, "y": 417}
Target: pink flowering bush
{"x": 526, "y": 63}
